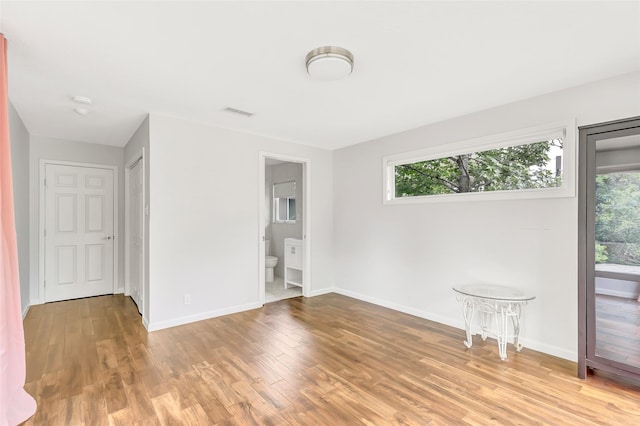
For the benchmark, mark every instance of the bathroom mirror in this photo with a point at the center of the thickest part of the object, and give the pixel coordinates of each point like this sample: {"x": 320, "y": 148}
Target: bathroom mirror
{"x": 284, "y": 202}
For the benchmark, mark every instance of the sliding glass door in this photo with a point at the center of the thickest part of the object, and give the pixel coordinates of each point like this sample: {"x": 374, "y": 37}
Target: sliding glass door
{"x": 609, "y": 291}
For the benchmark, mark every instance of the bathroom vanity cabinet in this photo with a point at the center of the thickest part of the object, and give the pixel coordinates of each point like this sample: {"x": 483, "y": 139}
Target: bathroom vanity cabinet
{"x": 293, "y": 262}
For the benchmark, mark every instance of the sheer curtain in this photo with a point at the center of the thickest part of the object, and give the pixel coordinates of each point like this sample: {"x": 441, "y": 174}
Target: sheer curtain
{"x": 16, "y": 405}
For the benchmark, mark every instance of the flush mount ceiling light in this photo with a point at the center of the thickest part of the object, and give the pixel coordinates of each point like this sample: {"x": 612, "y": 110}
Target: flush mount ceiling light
{"x": 329, "y": 63}
{"x": 82, "y": 100}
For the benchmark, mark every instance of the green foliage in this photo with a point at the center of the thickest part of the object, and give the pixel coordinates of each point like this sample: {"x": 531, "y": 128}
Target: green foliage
{"x": 618, "y": 216}
{"x": 601, "y": 253}
{"x": 518, "y": 167}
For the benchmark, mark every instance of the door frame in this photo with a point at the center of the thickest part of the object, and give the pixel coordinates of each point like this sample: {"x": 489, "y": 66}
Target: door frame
{"x": 42, "y": 219}
{"x": 306, "y": 219}
{"x": 586, "y": 254}
{"x": 138, "y": 157}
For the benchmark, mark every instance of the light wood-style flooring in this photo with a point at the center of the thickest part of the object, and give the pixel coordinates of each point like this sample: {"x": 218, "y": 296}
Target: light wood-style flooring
{"x": 327, "y": 360}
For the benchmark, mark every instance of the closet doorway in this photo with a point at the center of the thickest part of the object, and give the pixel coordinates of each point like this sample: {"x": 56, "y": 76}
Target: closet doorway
{"x": 609, "y": 248}
{"x": 135, "y": 231}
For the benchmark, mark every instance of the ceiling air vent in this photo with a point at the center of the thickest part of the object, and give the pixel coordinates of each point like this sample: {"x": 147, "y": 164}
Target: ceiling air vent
{"x": 246, "y": 114}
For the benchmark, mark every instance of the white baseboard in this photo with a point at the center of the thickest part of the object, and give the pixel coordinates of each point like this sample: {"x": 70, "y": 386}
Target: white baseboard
{"x": 401, "y": 308}
{"x": 322, "y": 291}
{"x": 154, "y": 326}
{"x": 616, "y": 293}
{"x": 549, "y": 349}
{"x": 25, "y": 311}
{"x": 145, "y": 323}
{"x": 456, "y": 323}
{"x": 159, "y": 325}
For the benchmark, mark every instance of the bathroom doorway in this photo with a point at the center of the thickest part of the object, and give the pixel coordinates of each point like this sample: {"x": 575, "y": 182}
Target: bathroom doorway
{"x": 284, "y": 249}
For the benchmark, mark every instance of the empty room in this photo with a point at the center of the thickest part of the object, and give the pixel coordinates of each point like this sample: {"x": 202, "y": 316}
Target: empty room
{"x": 320, "y": 212}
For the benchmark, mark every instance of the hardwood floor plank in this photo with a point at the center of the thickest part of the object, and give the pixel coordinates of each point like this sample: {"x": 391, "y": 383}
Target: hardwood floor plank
{"x": 327, "y": 360}
{"x": 167, "y": 409}
{"x": 122, "y": 418}
{"x": 93, "y": 405}
{"x": 140, "y": 402}
{"x": 195, "y": 415}
{"x": 114, "y": 393}
{"x": 202, "y": 393}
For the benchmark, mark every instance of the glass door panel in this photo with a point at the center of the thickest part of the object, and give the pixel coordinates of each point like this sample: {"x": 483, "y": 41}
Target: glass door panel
{"x": 613, "y": 250}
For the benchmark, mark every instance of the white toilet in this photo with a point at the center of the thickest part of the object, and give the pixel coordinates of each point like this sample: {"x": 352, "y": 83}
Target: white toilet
{"x": 270, "y": 262}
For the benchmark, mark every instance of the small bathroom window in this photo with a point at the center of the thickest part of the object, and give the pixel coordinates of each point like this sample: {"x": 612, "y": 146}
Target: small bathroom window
{"x": 284, "y": 202}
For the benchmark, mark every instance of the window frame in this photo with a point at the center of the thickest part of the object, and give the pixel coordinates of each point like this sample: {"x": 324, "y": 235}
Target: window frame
{"x": 566, "y": 128}
{"x": 276, "y": 209}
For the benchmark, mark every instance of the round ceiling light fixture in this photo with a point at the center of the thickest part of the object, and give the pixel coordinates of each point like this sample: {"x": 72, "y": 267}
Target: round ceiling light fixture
{"x": 82, "y": 100}
{"x": 329, "y": 63}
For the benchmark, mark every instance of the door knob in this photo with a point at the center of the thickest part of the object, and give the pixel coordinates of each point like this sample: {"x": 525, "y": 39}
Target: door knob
{"x": 107, "y": 238}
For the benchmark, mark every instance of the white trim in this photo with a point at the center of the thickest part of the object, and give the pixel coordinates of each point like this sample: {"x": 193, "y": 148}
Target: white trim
{"x": 127, "y": 171}
{"x": 322, "y": 291}
{"x": 137, "y": 157}
{"x": 506, "y": 139}
{"x": 145, "y": 323}
{"x": 261, "y": 228}
{"x": 25, "y": 311}
{"x": 116, "y": 232}
{"x": 306, "y": 219}
{"x": 41, "y": 224}
{"x": 154, "y": 326}
{"x": 459, "y": 324}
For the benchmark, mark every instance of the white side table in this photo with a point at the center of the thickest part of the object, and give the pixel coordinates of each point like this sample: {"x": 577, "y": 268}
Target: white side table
{"x": 503, "y": 303}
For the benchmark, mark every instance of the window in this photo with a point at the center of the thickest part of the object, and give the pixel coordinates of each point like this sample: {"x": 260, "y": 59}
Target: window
{"x": 527, "y": 164}
{"x": 284, "y": 202}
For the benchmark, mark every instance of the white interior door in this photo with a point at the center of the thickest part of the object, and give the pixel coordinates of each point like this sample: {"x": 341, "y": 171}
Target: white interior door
{"x": 135, "y": 234}
{"x": 79, "y": 232}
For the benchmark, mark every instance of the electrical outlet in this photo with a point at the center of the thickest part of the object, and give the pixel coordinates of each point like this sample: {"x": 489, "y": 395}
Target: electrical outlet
{"x": 187, "y": 299}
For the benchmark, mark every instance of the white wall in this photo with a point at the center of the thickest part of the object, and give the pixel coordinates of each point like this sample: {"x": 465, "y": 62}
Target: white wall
{"x": 20, "y": 173}
{"x": 42, "y": 147}
{"x": 285, "y": 172}
{"x": 409, "y": 256}
{"x": 204, "y": 219}
{"x": 138, "y": 144}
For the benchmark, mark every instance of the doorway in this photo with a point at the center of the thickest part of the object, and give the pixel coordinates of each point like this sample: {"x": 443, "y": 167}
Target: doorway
{"x": 609, "y": 249}
{"x": 134, "y": 232}
{"x": 78, "y": 217}
{"x": 284, "y": 240}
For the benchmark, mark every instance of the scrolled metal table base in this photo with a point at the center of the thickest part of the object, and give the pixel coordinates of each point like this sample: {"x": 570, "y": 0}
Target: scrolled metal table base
{"x": 502, "y": 310}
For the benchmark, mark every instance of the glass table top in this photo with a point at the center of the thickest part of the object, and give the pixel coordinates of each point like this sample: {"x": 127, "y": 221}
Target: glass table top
{"x": 495, "y": 292}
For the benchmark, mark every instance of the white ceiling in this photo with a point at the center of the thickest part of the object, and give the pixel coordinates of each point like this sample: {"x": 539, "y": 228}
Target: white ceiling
{"x": 415, "y": 62}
